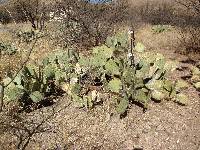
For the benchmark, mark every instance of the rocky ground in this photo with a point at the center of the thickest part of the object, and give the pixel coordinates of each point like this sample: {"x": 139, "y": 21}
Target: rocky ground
{"x": 164, "y": 126}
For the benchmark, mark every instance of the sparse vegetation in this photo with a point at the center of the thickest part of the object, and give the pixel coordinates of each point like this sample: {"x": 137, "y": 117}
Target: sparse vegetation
{"x": 4, "y": 17}
{"x": 7, "y": 49}
{"x": 160, "y": 28}
{"x": 109, "y": 70}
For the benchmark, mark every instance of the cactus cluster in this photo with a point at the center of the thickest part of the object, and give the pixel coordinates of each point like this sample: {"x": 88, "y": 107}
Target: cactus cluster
{"x": 195, "y": 79}
{"x": 107, "y": 69}
{"x": 36, "y": 81}
{"x": 142, "y": 81}
{"x": 120, "y": 40}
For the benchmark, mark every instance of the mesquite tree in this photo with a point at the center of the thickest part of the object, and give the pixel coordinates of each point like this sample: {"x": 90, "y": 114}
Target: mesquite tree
{"x": 33, "y": 11}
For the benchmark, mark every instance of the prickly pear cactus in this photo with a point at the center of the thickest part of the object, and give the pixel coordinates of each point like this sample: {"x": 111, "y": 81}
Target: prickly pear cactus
{"x": 36, "y": 80}
{"x": 195, "y": 79}
{"x": 118, "y": 41}
{"x": 140, "y": 78}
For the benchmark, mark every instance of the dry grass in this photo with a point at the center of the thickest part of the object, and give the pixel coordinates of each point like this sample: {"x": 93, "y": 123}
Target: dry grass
{"x": 166, "y": 40}
{"x": 43, "y": 47}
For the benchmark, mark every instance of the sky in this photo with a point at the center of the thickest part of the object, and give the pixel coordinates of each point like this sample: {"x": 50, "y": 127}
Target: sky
{"x": 97, "y": 1}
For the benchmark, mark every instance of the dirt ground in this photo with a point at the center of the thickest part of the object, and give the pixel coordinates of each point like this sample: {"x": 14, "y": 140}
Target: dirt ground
{"x": 164, "y": 126}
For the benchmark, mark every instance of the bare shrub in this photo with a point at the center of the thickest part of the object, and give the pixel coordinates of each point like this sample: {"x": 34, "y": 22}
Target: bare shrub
{"x": 157, "y": 13}
{"x": 190, "y": 40}
{"x": 4, "y": 16}
{"x": 191, "y": 10}
{"x": 190, "y": 31}
{"x": 33, "y": 11}
{"x": 192, "y": 5}
{"x": 88, "y": 24}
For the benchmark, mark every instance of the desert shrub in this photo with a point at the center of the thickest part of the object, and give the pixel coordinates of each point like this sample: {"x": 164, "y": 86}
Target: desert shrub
{"x": 190, "y": 29}
{"x": 4, "y": 17}
{"x": 191, "y": 5}
{"x": 7, "y": 49}
{"x": 190, "y": 10}
{"x": 190, "y": 40}
{"x": 157, "y": 13}
{"x": 33, "y": 11}
{"x": 88, "y": 24}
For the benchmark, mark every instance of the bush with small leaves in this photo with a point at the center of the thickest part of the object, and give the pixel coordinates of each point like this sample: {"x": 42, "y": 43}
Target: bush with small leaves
{"x": 7, "y": 49}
